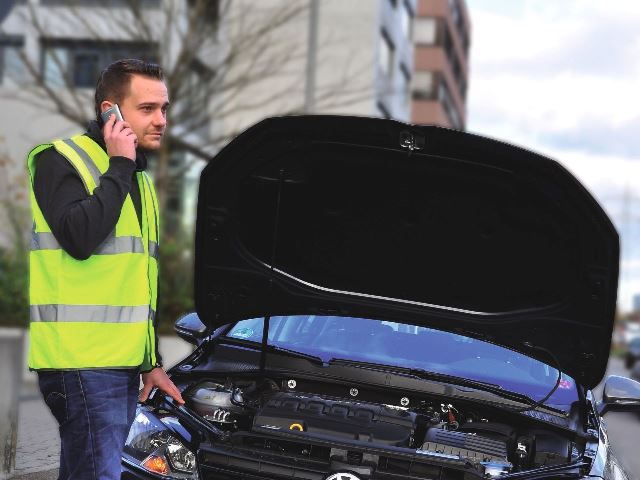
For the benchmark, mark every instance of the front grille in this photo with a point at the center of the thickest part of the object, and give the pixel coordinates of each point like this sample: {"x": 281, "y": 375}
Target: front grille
{"x": 259, "y": 457}
{"x": 298, "y": 450}
{"x": 221, "y": 465}
{"x": 354, "y": 457}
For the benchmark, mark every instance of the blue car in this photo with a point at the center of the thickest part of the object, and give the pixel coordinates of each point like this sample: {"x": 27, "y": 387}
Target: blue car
{"x": 376, "y": 300}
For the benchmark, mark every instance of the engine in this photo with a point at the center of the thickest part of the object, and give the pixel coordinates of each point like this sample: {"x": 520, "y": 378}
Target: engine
{"x": 429, "y": 428}
{"x": 217, "y": 403}
{"x": 379, "y": 424}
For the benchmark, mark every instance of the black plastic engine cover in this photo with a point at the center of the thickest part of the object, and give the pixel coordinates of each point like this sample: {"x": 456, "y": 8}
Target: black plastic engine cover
{"x": 466, "y": 445}
{"x": 341, "y": 419}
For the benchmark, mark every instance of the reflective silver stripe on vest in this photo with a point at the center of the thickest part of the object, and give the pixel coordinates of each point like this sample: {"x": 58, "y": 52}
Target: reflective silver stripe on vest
{"x": 44, "y": 241}
{"x": 111, "y": 246}
{"x": 89, "y": 313}
{"x": 154, "y": 250}
{"x": 114, "y": 245}
{"x": 93, "y": 169}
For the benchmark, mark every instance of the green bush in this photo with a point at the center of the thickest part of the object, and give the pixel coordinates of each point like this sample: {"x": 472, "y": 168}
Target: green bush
{"x": 176, "y": 280}
{"x": 14, "y": 284}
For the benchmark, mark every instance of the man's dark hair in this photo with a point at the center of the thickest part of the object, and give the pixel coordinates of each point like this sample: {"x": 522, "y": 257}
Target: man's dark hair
{"x": 114, "y": 80}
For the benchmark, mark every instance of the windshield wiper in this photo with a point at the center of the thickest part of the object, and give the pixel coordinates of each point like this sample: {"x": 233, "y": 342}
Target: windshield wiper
{"x": 466, "y": 382}
{"x": 571, "y": 470}
{"x": 440, "y": 377}
{"x": 277, "y": 349}
{"x": 296, "y": 354}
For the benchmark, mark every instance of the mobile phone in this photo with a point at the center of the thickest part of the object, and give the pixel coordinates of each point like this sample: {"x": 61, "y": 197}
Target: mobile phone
{"x": 113, "y": 109}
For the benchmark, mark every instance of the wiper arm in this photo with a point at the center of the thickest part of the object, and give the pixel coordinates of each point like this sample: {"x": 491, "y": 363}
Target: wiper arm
{"x": 466, "y": 382}
{"x": 441, "y": 377}
{"x": 462, "y": 381}
{"x": 294, "y": 353}
{"x": 571, "y": 470}
{"x": 277, "y": 349}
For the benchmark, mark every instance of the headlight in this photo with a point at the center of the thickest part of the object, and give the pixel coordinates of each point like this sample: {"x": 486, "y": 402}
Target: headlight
{"x": 151, "y": 446}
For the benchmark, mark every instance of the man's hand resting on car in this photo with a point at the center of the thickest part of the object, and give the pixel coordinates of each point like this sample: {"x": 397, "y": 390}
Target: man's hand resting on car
{"x": 159, "y": 378}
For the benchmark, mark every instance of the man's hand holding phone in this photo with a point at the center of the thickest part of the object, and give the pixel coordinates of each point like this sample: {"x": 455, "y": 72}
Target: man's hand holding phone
{"x": 119, "y": 138}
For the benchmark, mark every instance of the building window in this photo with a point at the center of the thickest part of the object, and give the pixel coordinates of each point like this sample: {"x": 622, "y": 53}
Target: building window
{"x": 86, "y": 69}
{"x": 447, "y": 103}
{"x": 100, "y": 3}
{"x": 447, "y": 42}
{"x": 424, "y": 85}
{"x": 78, "y": 63}
{"x": 12, "y": 68}
{"x": 405, "y": 92}
{"x": 197, "y": 81}
{"x": 383, "y": 111}
{"x": 426, "y": 31}
{"x": 210, "y": 9}
{"x": 407, "y": 20}
{"x": 456, "y": 15}
{"x": 386, "y": 59}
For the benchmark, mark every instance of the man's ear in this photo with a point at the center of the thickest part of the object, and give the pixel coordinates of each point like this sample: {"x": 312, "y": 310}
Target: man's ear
{"x": 105, "y": 105}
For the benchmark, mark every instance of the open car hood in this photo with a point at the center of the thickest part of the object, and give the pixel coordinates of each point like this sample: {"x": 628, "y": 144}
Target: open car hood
{"x": 374, "y": 218}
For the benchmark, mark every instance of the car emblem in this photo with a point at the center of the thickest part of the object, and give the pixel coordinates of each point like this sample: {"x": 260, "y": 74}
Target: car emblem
{"x": 342, "y": 476}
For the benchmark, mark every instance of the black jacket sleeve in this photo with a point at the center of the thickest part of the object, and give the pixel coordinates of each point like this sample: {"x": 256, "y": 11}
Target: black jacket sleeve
{"x": 79, "y": 221}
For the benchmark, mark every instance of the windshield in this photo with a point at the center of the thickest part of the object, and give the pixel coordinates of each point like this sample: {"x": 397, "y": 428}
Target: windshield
{"x": 411, "y": 346}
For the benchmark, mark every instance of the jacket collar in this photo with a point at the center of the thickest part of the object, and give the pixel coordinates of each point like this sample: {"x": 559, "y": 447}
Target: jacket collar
{"x": 94, "y": 132}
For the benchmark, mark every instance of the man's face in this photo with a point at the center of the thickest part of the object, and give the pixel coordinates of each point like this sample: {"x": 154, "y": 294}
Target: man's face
{"x": 144, "y": 108}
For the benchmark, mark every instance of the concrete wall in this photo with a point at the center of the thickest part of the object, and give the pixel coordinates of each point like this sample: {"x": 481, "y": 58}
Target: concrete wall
{"x": 10, "y": 354}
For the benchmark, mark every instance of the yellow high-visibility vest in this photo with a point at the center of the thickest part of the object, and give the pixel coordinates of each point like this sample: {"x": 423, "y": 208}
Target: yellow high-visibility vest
{"x": 98, "y": 312}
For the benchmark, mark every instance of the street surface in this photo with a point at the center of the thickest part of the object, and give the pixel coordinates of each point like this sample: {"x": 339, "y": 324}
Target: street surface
{"x": 38, "y": 443}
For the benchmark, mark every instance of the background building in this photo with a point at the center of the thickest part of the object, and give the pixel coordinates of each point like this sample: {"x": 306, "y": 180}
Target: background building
{"x": 245, "y": 61}
{"x": 442, "y": 37}
{"x": 343, "y": 57}
{"x": 636, "y": 302}
{"x": 228, "y": 64}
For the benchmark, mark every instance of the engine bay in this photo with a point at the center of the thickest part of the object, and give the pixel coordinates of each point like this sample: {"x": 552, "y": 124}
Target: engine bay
{"x": 441, "y": 429}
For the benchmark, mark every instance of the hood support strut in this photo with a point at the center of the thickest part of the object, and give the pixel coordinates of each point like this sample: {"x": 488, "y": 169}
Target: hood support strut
{"x": 265, "y": 325}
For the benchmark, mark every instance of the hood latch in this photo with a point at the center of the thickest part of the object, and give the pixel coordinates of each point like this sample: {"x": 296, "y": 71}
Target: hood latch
{"x": 412, "y": 140}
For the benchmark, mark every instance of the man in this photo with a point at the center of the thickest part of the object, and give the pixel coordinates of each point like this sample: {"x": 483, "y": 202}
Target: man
{"x": 94, "y": 273}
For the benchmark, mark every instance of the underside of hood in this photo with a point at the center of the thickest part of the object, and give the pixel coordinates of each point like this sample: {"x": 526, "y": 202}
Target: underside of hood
{"x": 374, "y": 218}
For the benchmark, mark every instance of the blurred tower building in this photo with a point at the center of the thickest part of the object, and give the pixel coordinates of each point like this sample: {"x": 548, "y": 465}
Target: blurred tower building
{"x": 636, "y": 303}
{"x": 344, "y": 57}
{"x": 440, "y": 80}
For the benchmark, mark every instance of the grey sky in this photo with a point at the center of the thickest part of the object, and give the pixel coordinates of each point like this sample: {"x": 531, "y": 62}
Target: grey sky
{"x": 563, "y": 78}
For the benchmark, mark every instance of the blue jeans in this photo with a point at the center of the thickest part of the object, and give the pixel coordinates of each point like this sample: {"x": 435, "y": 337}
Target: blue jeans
{"x": 94, "y": 409}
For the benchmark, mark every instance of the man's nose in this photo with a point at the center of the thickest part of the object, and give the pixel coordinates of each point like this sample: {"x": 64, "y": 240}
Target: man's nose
{"x": 160, "y": 119}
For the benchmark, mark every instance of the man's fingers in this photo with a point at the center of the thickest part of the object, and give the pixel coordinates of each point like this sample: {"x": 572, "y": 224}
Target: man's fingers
{"x": 173, "y": 391}
{"x": 120, "y": 127}
{"x": 158, "y": 378}
{"x": 146, "y": 390}
{"x": 108, "y": 125}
